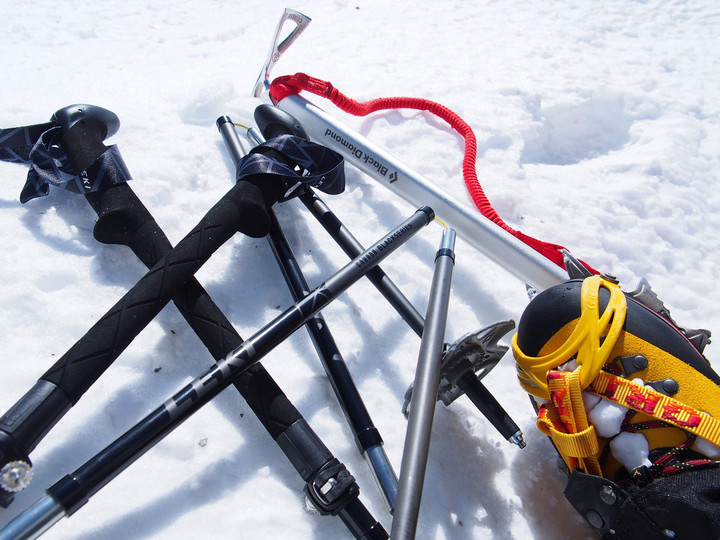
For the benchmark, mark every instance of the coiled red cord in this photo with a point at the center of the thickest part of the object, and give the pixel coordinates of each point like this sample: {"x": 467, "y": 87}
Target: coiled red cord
{"x": 287, "y": 85}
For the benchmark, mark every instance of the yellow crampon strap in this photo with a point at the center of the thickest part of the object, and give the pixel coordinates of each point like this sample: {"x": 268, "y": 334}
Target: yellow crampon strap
{"x": 590, "y": 342}
{"x": 645, "y": 400}
{"x": 570, "y": 431}
{"x": 564, "y": 419}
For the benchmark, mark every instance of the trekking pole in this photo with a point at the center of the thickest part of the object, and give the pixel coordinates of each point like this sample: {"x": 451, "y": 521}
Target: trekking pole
{"x": 427, "y": 379}
{"x": 475, "y": 352}
{"x": 123, "y": 219}
{"x": 367, "y": 437}
{"x": 74, "y": 490}
{"x": 273, "y": 121}
{"x": 81, "y": 130}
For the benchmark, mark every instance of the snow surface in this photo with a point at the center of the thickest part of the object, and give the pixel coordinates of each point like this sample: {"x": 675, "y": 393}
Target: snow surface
{"x": 597, "y": 126}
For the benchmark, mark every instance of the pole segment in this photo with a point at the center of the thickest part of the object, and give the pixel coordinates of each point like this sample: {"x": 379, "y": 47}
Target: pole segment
{"x": 367, "y": 436}
{"x": 422, "y": 410}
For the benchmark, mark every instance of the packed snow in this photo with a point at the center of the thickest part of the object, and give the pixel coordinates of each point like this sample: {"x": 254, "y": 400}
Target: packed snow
{"x": 598, "y": 128}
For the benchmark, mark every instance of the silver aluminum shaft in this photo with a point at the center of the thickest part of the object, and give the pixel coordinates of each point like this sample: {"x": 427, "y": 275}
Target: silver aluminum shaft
{"x": 425, "y": 388}
{"x": 34, "y": 521}
{"x": 500, "y": 246}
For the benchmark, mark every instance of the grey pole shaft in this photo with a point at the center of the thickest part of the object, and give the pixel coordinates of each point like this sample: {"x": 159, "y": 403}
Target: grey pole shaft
{"x": 422, "y": 409}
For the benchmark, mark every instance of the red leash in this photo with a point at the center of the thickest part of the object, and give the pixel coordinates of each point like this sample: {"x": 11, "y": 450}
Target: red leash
{"x": 285, "y": 86}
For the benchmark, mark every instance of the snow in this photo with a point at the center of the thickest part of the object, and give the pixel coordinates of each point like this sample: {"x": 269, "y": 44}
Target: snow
{"x": 630, "y": 449}
{"x": 597, "y": 126}
{"x": 607, "y": 417}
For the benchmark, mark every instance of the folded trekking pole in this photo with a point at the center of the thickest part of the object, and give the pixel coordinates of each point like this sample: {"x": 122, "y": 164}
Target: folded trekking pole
{"x": 427, "y": 379}
{"x": 74, "y": 490}
{"x": 367, "y": 436}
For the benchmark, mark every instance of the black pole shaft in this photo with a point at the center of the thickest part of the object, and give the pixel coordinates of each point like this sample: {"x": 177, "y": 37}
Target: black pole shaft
{"x": 367, "y": 437}
{"x": 365, "y": 433}
{"x": 255, "y": 347}
{"x": 75, "y": 489}
{"x": 352, "y": 248}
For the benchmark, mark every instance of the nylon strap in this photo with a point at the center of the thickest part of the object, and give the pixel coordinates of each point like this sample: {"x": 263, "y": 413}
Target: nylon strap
{"x": 285, "y": 86}
{"x": 35, "y": 146}
{"x": 645, "y": 400}
{"x": 579, "y": 439}
{"x": 565, "y": 419}
{"x": 322, "y": 167}
{"x": 571, "y": 446}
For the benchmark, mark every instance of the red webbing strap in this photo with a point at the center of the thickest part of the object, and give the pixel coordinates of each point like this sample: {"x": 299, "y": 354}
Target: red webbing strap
{"x": 285, "y": 86}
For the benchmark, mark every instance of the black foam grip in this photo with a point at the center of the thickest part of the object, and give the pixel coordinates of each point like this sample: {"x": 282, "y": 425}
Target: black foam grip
{"x": 83, "y": 143}
{"x": 76, "y": 371}
{"x": 123, "y": 219}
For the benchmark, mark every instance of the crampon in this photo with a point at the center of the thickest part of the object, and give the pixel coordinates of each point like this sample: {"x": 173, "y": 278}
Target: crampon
{"x": 631, "y": 405}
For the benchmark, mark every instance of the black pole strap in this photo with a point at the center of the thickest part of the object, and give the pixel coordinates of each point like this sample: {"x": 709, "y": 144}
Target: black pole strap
{"x": 50, "y": 166}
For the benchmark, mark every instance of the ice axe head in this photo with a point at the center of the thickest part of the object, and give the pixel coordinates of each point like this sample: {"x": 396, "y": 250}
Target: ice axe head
{"x": 298, "y": 23}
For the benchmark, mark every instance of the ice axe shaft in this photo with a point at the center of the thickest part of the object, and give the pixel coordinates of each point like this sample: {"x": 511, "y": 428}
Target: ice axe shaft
{"x": 497, "y": 244}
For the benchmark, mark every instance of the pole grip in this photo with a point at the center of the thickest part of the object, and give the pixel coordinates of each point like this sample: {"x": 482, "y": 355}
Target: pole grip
{"x": 83, "y": 364}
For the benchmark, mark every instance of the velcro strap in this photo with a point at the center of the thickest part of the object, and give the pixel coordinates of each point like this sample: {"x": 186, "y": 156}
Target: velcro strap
{"x": 320, "y": 167}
